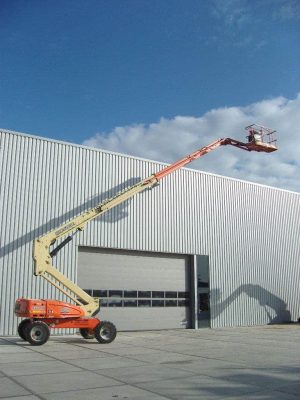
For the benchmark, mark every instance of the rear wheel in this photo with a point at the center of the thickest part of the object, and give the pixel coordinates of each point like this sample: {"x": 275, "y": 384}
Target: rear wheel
{"x": 22, "y": 328}
{"x": 105, "y": 332}
{"x": 37, "y": 333}
{"x": 87, "y": 333}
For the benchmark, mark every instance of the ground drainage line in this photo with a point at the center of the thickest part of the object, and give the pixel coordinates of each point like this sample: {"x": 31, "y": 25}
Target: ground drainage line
{"x": 24, "y": 387}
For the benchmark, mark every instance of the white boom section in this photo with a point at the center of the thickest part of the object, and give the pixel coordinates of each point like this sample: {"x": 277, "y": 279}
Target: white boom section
{"x": 42, "y": 257}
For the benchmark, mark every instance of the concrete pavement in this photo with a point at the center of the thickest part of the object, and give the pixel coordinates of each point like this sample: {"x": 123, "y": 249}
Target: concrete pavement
{"x": 261, "y": 363}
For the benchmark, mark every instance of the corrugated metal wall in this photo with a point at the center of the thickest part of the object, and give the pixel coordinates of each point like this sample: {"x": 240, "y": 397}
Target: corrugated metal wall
{"x": 250, "y": 232}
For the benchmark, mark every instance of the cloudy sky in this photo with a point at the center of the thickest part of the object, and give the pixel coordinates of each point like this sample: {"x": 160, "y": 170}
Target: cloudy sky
{"x": 157, "y": 79}
{"x": 170, "y": 139}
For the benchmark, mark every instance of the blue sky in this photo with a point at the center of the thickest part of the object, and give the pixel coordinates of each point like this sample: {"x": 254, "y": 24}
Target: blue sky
{"x": 76, "y": 70}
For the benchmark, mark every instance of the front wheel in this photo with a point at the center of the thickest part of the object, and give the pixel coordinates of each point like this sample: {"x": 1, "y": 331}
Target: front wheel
{"x": 37, "y": 333}
{"x": 105, "y": 332}
{"x": 22, "y": 328}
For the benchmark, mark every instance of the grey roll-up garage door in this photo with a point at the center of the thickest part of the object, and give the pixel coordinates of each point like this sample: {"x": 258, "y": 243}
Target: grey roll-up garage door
{"x": 138, "y": 290}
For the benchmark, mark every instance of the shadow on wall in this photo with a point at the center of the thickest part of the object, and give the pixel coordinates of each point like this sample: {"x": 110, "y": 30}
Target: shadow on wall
{"x": 265, "y": 298}
{"x": 120, "y": 212}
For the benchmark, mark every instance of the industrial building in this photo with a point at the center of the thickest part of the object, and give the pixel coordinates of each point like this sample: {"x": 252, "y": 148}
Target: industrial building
{"x": 199, "y": 250}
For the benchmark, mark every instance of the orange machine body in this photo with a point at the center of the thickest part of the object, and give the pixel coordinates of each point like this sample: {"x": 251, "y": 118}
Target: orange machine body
{"x": 56, "y": 314}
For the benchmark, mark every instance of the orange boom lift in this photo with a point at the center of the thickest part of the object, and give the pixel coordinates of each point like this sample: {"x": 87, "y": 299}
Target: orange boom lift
{"x": 41, "y": 315}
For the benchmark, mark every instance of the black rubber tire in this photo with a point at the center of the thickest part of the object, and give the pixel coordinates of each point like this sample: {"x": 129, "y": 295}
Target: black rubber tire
{"x": 87, "y": 333}
{"x": 22, "y": 328}
{"x": 105, "y": 332}
{"x": 37, "y": 333}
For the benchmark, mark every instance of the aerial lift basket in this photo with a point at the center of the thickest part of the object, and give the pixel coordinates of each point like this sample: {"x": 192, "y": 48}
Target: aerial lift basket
{"x": 261, "y": 138}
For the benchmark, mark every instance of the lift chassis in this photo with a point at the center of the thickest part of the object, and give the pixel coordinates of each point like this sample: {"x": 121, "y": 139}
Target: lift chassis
{"x": 42, "y": 315}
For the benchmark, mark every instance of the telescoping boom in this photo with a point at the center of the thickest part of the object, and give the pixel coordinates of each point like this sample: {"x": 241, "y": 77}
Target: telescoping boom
{"x": 42, "y": 314}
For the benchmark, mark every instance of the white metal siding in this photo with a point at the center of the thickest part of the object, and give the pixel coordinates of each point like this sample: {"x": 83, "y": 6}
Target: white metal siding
{"x": 250, "y": 232}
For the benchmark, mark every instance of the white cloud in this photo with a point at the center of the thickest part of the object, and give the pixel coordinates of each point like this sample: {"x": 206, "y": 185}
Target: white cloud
{"x": 286, "y": 10}
{"x": 232, "y": 12}
{"x": 242, "y": 23}
{"x": 171, "y": 139}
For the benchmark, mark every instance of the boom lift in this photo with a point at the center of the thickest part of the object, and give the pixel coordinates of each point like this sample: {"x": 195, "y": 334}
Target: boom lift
{"x": 40, "y": 315}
